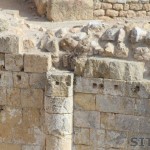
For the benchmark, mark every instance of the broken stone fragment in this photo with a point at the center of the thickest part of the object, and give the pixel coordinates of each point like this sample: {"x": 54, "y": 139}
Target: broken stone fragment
{"x": 121, "y": 35}
{"x": 97, "y": 49}
{"x": 28, "y": 44}
{"x": 68, "y": 44}
{"x": 137, "y": 35}
{"x": 79, "y": 36}
{"x": 4, "y": 25}
{"x": 61, "y": 32}
{"x": 110, "y": 34}
{"x": 109, "y": 49}
{"x": 147, "y": 38}
{"x": 121, "y": 50}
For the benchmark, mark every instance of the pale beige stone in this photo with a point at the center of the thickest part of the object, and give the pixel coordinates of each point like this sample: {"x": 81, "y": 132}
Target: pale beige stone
{"x": 112, "y": 13}
{"x": 87, "y": 119}
{"x": 37, "y": 80}
{"x": 13, "y": 97}
{"x": 81, "y": 136}
{"x": 131, "y": 13}
{"x": 21, "y": 80}
{"x": 141, "y": 13}
{"x": 59, "y": 143}
{"x": 10, "y": 147}
{"x": 32, "y": 98}
{"x": 146, "y": 7}
{"x": 123, "y": 13}
{"x": 136, "y": 6}
{"x": 61, "y": 105}
{"x": 99, "y": 12}
{"x": 84, "y": 101}
{"x": 106, "y": 6}
{"x": 31, "y": 147}
{"x": 73, "y": 9}
{"x": 14, "y": 62}
{"x": 3, "y": 96}
{"x": 58, "y": 124}
{"x": 81, "y": 147}
{"x": 59, "y": 84}
{"x": 126, "y": 7}
{"x": 118, "y": 7}
{"x": 39, "y": 63}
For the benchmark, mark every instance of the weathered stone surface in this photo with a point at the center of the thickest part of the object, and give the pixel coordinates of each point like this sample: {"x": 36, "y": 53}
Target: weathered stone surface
{"x": 99, "y": 12}
{"x": 13, "y": 97}
{"x": 87, "y": 119}
{"x": 109, "y": 50}
{"x": 81, "y": 147}
{"x": 41, "y": 6}
{"x": 58, "y": 143}
{"x": 137, "y": 35}
{"x": 58, "y": 105}
{"x": 131, "y": 14}
{"x": 111, "y": 13}
{"x": 37, "y": 80}
{"x": 84, "y": 101}
{"x": 58, "y": 124}
{"x": 106, "y": 6}
{"x": 2, "y": 61}
{"x": 110, "y": 34}
{"x": 32, "y": 98}
{"x": 146, "y": 7}
{"x": 136, "y": 6}
{"x": 4, "y": 25}
{"x": 141, "y": 14}
{"x": 73, "y": 10}
{"x": 81, "y": 136}
{"x": 115, "y": 104}
{"x": 10, "y": 43}
{"x": 21, "y": 80}
{"x": 6, "y": 79}
{"x": 14, "y": 62}
{"x": 112, "y": 69}
{"x": 39, "y": 63}
{"x": 30, "y": 147}
{"x": 3, "y": 96}
{"x": 89, "y": 85}
{"x": 59, "y": 84}
{"x": 118, "y": 7}
{"x": 121, "y": 50}
{"x": 121, "y": 35}
{"x": 10, "y": 147}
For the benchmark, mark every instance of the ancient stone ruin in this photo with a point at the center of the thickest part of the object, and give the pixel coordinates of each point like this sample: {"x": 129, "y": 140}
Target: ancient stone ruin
{"x": 79, "y": 87}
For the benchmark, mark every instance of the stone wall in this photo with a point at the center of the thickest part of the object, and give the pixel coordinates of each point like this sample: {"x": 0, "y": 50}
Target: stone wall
{"x": 91, "y": 9}
{"x": 82, "y": 88}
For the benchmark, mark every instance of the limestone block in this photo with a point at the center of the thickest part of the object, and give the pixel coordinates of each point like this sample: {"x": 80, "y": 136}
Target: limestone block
{"x": 21, "y": 80}
{"x": 39, "y": 63}
{"x": 2, "y": 61}
{"x": 121, "y": 50}
{"x": 59, "y": 84}
{"x": 32, "y": 98}
{"x": 123, "y": 14}
{"x": 99, "y": 12}
{"x": 30, "y": 147}
{"x": 10, "y": 43}
{"x": 97, "y": 138}
{"x": 116, "y": 139}
{"x": 115, "y": 104}
{"x": 146, "y": 7}
{"x": 84, "y": 101}
{"x": 58, "y": 124}
{"x": 118, "y": 7}
{"x": 31, "y": 117}
{"x": 81, "y": 147}
{"x": 121, "y": 35}
{"x": 106, "y": 6}
{"x": 114, "y": 87}
{"x": 126, "y": 7}
{"x": 144, "y": 125}
{"x": 10, "y": 147}
{"x": 110, "y": 1}
{"x": 14, "y": 62}
{"x": 79, "y": 10}
{"x": 81, "y": 136}
{"x": 112, "y": 69}
{"x": 37, "y": 80}
{"x": 138, "y": 89}
{"x": 136, "y": 6}
{"x": 142, "y": 107}
{"x": 13, "y": 97}
{"x": 58, "y": 105}
{"x": 4, "y": 25}
{"x": 141, "y": 14}
{"x": 110, "y": 34}
{"x": 112, "y": 13}
{"x": 137, "y": 35}
{"x": 3, "y": 96}
{"x": 87, "y": 119}
{"x": 6, "y": 79}
{"x": 131, "y": 14}
{"x": 59, "y": 143}
{"x": 109, "y": 50}
{"x": 89, "y": 85}
{"x": 41, "y": 6}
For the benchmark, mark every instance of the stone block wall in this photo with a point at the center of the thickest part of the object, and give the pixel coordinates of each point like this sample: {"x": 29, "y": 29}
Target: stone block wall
{"x": 62, "y": 10}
